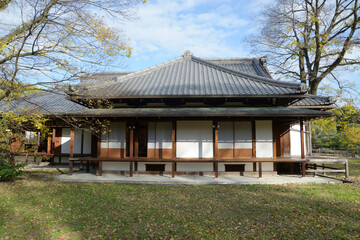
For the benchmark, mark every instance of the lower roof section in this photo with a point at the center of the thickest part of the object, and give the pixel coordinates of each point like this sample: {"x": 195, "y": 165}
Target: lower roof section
{"x": 201, "y": 112}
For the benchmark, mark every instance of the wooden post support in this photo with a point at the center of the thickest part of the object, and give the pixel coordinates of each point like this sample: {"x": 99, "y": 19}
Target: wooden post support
{"x": 216, "y": 169}
{"x": 346, "y": 169}
{"x": 71, "y": 163}
{"x": 100, "y": 168}
{"x": 131, "y": 148}
{"x": 82, "y": 142}
{"x": 49, "y": 143}
{"x": 173, "y": 137}
{"x": 131, "y": 168}
{"x": 173, "y": 170}
{"x": 98, "y": 147}
{"x": 274, "y": 139}
{"x": 253, "y": 130}
{"x": 87, "y": 166}
{"x": 72, "y": 143}
{"x": 302, "y": 139}
{"x": 303, "y": 164}
{"x": 53, "y": 141}
{"x": 216, "y": 152}
{"x": 260, "y": 170}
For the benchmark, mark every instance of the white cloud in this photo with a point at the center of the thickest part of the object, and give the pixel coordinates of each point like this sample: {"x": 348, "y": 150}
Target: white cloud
{"x": 167, "y": 28}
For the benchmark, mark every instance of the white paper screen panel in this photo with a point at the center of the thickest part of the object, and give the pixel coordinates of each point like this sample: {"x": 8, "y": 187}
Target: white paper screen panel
{"x": 264, "y": 139}
{"x": 151, "y": 135}
{"x": 116, "y": 138}
{"x": 104, "y": 140}
{"x": 243, "y": 135}
{"x": 160, "y": 135}
{"x": 87, "y": 143}
{"x": 65, "y": 140}
{"x": 226, "y": 135}
{"x": 164, "y": 135}
{"x": 194, "y": 139}
{"x": 117, "y": 135}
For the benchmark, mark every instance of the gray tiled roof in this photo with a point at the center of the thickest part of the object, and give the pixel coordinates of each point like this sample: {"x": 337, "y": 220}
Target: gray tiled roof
{"x": 314, "y": 101}
{"x": 96, "y": 78}
{"x": 191, "y": 76}
{"x": 47, "y": 102}
{"x": 253, "y": 66}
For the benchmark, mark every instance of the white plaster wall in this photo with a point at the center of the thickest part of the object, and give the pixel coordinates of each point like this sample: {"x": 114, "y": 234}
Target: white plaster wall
{"x": 226, "y": 135}
{"x": 65, "y": 140}
{"x": 194, "y": 167}
{"x": 116, "y": 166}
{"x": 295, "y": 141}
{"x": 142, "y": 167}
{"x": 267, "y": 166}
{"x": 264, "y": 139}
{"x": 194, "y": 139}
{"x": 243, "y": 135}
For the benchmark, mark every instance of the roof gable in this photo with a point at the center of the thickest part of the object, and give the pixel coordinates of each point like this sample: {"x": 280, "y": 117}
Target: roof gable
{"x": 190, "y": 76}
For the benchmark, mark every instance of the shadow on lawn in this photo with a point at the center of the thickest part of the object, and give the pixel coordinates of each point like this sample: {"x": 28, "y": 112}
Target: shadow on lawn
{"x": 154, "y": 211}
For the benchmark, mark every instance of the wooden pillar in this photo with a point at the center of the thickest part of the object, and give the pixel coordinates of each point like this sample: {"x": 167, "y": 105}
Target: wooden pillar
{"x": 131, "y": 148}
{"x": 53, "y": 141}
{"x": 98, "y": 147}
{"x": 100, "y": 168}
{"x": 216, "y": 152}
{"x": 302, "y": 147}
{"x": 303, "y": 169}
{"x": 71, "y": 164}
{"x": 274, "y": 139}
{"x": 274, "y": 144}
{"x": 302, "y": 139}
{"x": 173, "y": 169}
{"x": 260, "y": 170}
{"x": 216, "y": 166}
{"x": 253, "y": 130}
{"x": 82, "y": 142}
{"x": 71, "y": 142}
{"x": 173, "y": 137}
{"x": 49, "y": 144}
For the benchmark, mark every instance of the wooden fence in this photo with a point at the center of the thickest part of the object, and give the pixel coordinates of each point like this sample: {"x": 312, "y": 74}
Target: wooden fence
{"x": 335, "y": 153}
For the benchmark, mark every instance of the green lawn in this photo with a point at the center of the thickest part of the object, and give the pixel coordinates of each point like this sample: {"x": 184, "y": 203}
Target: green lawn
{"x": 35, "y": 209}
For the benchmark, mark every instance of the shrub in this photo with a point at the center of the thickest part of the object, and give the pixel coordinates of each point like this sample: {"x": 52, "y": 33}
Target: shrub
{"x": 8, "y": 172}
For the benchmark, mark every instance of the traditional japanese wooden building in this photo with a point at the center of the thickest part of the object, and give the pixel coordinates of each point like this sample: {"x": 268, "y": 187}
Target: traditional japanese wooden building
{"x": 190, "y": 116}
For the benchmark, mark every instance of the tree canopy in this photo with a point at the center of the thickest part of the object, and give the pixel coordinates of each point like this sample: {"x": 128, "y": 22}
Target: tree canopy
{"x": 309, "y": 40}
{"x": 53, "y": 41}
{"x": 47, "y": 43}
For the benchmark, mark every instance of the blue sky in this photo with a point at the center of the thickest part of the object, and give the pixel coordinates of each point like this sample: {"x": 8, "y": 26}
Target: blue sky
{"x": 165, "y": 29}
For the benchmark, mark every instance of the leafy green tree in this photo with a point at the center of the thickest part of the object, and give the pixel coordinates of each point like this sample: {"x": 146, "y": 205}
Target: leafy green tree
{"x": 339, "y": 132}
